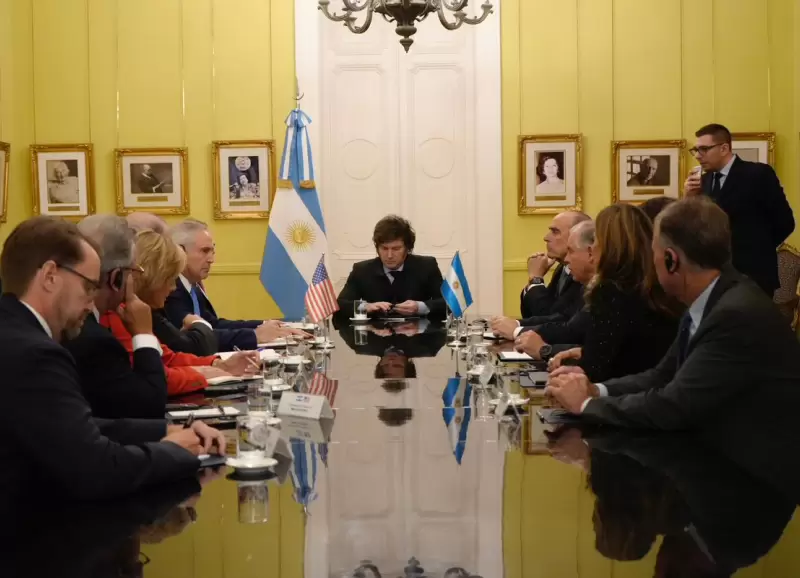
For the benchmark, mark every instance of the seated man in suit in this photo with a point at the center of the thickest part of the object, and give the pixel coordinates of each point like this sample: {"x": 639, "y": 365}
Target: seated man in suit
{"x": 189, "y": 297}
{"x": 733, "y": 348}
{"x": 563, "y": 297}
{"x": 396, "y": 280}
{"x": 53, "y": 443}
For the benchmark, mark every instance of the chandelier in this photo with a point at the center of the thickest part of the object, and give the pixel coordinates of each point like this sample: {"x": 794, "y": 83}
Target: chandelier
{"x": 405, "y": 13}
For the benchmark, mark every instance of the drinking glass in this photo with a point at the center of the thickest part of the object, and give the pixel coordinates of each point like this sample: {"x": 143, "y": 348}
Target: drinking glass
{"x": 253, "y": 502}
{"x": 360, "y": 309}
{"x": 252, "y": 435}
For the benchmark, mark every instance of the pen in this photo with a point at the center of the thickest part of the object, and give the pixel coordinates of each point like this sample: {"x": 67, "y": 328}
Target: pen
{"x": 253, "y": 363}
{"x": 189, "y": 421}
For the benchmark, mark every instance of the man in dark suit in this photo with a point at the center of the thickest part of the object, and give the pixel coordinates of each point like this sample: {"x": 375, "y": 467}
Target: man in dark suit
{"x": 189, "y": 297}
{"x": 396, "y": 280}
{"x": 733, "y": 347}
{"x": 51, "y": 439}
{"x": 752, "y": 196}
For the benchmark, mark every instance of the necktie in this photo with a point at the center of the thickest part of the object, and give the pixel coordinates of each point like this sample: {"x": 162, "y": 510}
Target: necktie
{"x": 683, "y": 337}
{"x": 562, "y": 282}
{"x": 195, "y": 301}
{"x": 716, "y": 184}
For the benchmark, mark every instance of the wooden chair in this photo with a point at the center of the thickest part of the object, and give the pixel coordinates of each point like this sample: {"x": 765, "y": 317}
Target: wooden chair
{"x": 787, "y": 297}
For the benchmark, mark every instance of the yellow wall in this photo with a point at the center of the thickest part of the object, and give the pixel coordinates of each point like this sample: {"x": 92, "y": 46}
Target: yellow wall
{"x": 641, "y": 69}
{"x": 150, "y": 73}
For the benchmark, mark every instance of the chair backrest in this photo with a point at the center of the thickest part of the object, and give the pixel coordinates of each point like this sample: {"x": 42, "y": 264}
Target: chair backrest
{"x": 786, "y": 296}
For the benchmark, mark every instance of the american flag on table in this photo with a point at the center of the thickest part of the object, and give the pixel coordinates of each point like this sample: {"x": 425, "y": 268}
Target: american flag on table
{"x": 320, "y": 298}
{"x": 322, "y": 385}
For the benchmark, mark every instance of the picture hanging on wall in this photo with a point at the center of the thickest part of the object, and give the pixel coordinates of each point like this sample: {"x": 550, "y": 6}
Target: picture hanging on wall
{"x": 244, "y": 179}
{"x": 756, "y": 147}
{"x": 642, "y": 170}
{"x": 549, "y": 174}
{"x": 153, "y": 180}
{"x": 5, "y": 150}
{"x": 63, "y": 180}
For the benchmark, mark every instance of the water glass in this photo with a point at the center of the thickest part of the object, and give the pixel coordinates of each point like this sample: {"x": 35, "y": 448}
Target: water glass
{"x": 359, "y": 309}
{"x": 252, "y": 435}
{"x": 253, "y": 502}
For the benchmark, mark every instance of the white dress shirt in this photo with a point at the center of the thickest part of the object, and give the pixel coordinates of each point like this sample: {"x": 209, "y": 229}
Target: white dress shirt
{"x": 422, "y": 309}
{"x": 139, "y": 341}
{"x": 695, "y": 312}
{"x": 724, "y": 172}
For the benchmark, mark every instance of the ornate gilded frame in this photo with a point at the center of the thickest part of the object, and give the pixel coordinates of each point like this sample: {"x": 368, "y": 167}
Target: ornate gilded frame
{"x": 83, "y": 148}
{"x": 6, "y": 149}
{"x": 618, "y": 146}
{"x": 768, "y": 137}
{"x": 269, "y": 145}
{"x": 522, "y": 207}
{"x": 182, "y": 153}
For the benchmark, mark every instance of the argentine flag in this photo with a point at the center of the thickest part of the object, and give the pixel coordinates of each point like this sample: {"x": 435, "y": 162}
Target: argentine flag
{"x": 296, "y": 239}
{"x": 455, "y": 288}
{"x": 457, "y": 398}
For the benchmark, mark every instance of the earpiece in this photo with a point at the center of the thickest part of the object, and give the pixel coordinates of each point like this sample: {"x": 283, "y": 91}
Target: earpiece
{"x": 670, "y": 260}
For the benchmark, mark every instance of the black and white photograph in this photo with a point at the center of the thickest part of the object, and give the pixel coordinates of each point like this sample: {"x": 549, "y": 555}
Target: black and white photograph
{"x": 244, "y": 178}
{"x": 641, "y": 170}
{"x": 5, "y": 149}
{"x": 549, "y": 174}
{"x": 63, "y": 180}
{"x": 152, "y": 180}
{"x": 755, "y": 147}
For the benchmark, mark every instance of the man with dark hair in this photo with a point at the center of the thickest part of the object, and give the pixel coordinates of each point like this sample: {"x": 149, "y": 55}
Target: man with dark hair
{"x": 752, "y": 196}
{"x": 396, "y": 282}
{"x": 652, "y": 207}
{"x": 51, "y": 440}
{"x": 733, "y": 348}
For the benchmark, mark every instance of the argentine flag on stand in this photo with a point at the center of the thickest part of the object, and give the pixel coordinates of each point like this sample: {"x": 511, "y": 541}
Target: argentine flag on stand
{"x": 296, "y": 238}
{"x": 455, "y": 288}
{"x": 457, "y": 398}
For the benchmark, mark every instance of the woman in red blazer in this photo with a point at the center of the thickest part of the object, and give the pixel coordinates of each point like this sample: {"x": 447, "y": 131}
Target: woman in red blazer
{"x": 161, "y": 261}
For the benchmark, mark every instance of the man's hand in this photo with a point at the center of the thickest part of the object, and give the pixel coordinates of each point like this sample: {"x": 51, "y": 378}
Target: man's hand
{"x": 567, "y": 446}
{"x": 380, "y": 306}
{"x": 189, "y": 320}
{"x": 538, "y": 265}
{"x": 529, "y": 342}
{"x": 380, "y": 331}
{"x": 212, "y": 440}
{"x": 268, "y": 332}
{"x": 559, "y": 358}
{"x": 693, "y": 185}
{"x": 187, "y": 439}
{"x": 240, "y": 363}
{"x": 566, "y": 370}
{"x": 135, "y": 313}
{"x": 407, "y": 308}
{"x": 210, "y": 372}
{"x": 407, "y": 329}
{"x": 504, "y": 327}
{"x": 570, "y": 391}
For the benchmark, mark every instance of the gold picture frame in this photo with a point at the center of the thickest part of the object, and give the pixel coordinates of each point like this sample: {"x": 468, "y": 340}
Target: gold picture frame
{"x": 565, "y": 191}
{"x": 765, "y": 149}
{"x": 661, "y": 166}
{"x": 56, "y": 191}
{"x": 5, "y": 153}
{"x": 155, "y": 180}
{"x": 237, "y": 199}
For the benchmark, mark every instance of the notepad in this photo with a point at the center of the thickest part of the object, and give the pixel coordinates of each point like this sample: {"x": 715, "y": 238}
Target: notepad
{"x": 301, "y": 326}
{"x": 207, "y": 412}
{"x": 280, "y": 342}
{"x": 514, "y": 356}
{"x": 490, "y": 335}
{"x": 266, "y": 354}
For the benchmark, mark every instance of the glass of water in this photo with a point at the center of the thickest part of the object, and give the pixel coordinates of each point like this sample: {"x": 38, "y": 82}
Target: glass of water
{"x": 359, "y": 309}
{"x": 253, "y": 502}
{"x": 252, "y": 435}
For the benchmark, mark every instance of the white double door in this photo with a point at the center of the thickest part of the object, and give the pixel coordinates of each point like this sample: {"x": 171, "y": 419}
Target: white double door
{"x": 414, "y": 134}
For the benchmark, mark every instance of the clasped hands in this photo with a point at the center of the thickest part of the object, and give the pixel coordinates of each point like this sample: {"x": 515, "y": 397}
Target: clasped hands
{"x": 408, "y": 307}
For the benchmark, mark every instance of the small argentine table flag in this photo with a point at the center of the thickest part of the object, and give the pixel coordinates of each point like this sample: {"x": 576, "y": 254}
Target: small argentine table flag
{"x": 455, "y": 288}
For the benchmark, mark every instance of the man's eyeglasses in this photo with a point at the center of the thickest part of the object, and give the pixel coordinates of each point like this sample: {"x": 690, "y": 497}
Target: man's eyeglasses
{"x": 91, "y": 286}
{"x": 703, "y": 149}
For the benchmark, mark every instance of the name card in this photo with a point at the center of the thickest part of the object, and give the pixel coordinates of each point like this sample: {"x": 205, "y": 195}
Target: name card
{"x": 305, "y": 405}
{"x": 310, "y": 430}
{"x": 487, "y": 374}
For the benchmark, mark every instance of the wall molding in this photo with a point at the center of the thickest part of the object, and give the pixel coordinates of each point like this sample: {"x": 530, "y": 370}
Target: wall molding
{"x": 515, "y": 265}
{"x": 246, "y": 268}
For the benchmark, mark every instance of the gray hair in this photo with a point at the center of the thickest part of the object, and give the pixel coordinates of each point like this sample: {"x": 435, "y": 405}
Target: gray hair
{"x": 184, "y": 233}
{"x": 139, "y": 221}
{"x": 585, "y": 233}
{"x": 113, "y": 237}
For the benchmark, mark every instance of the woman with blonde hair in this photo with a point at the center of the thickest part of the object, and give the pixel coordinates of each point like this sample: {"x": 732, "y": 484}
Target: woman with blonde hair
{"x": 632, "y": 322}
{"x": 161, "y": 261}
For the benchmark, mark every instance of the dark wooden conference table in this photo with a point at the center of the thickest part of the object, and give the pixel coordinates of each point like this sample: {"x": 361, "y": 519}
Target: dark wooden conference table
{"x": 394, "y": 493}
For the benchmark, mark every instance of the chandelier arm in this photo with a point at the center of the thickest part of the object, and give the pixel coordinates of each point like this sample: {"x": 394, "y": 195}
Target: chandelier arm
{"x": 351, "y": 6}
{"x": 355, "y": 28}
{"x": 487, "y": 9}
{"x": 323, "y": 7}
{"x": 455, "y": 5}
{"x": 459, "y": 16}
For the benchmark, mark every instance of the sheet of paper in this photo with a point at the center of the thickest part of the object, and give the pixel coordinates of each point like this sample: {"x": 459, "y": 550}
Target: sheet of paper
{"x": 490, "y": 335}
{"x": 207, "y": 412}
{"x": 223, "y": 380}
{"x": 539, "y": 376}
{"x": 514, "y": 356}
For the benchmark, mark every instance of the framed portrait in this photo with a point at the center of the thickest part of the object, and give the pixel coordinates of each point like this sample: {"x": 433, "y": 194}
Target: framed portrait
{"x": 549, "y": 174}
{"x": 5, "y": 150}
{"x": 153, "y": 180}
{"x": 534, "y": 439}
{"x": 642, "y": 170}
{"x": 756, "y": 147}
{"x": 63, "y": 180}
{"x": 244, "y": 179}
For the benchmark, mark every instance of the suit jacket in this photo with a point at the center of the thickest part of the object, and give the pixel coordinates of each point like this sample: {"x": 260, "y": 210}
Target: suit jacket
{"x": 113, "y": 386}
{"x": 420, "y": 280}
{"x": 543, "y": 304}
{"x": 52, "y": 439}
{"x": 760, "y": 218}
{"x": 199, "y": 339}
{"x": 230, "y": 334}
{"x": 565, "y": 332}
{"x": 743, "y": 353}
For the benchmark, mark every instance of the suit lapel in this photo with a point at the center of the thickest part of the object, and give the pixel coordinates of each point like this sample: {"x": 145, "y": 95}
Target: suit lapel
{"x": 727, "y": 280}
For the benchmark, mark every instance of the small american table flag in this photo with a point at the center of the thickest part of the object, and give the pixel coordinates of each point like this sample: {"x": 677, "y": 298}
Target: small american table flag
{"x": 320, "y": 298}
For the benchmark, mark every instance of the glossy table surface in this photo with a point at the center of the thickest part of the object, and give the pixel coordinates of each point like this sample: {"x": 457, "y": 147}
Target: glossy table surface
{"x": 408, "y": 487}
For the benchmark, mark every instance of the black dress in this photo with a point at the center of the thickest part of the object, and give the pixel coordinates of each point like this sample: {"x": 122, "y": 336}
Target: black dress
{"x": 624, "y": 335}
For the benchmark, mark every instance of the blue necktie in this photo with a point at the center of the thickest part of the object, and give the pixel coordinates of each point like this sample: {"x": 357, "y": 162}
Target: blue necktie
{"x": 683, "y": 337}
{"x": 195, "y": 301}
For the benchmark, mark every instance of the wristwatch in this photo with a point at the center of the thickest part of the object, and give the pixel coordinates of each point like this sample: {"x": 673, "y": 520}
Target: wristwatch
{"x": 545, "y": 351}
{"x": 536, "y": 281}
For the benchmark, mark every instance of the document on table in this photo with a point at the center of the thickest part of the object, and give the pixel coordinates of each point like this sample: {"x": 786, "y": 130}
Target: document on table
{"x": 225, "y": 411}
{"x": 514, "y": 356}
{"x": 266, "y": 354}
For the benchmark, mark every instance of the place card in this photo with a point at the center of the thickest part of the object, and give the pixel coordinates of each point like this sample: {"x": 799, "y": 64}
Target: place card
{"x": 305, "y": 405}
{"x": 514, "y": 356}
{"x": 311, "y": 430}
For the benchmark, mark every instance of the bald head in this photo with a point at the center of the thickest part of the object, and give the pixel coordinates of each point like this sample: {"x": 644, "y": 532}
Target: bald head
{"x": 143, "y": 221}
{"x": 558, "y": 233}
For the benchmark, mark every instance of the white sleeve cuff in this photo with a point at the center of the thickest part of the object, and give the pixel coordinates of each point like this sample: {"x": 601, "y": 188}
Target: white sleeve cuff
{"x": 146, "y": 340}
{"x": 602, "y": 389}
{"x": 422, "y": 309}
{"x": 532, "y": 285}
{"x": 517, "y": 331}
{"x": 585, "y": 403}
{"x": 204, "y": 322}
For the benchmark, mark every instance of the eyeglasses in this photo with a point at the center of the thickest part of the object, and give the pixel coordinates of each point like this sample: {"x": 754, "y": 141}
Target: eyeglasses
{"x": 91, "y": 286}
{"x": 702, "y": 150}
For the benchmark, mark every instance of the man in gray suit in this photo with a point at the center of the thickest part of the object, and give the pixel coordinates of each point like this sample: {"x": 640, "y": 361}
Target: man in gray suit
{"x": 733, "y": 349}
